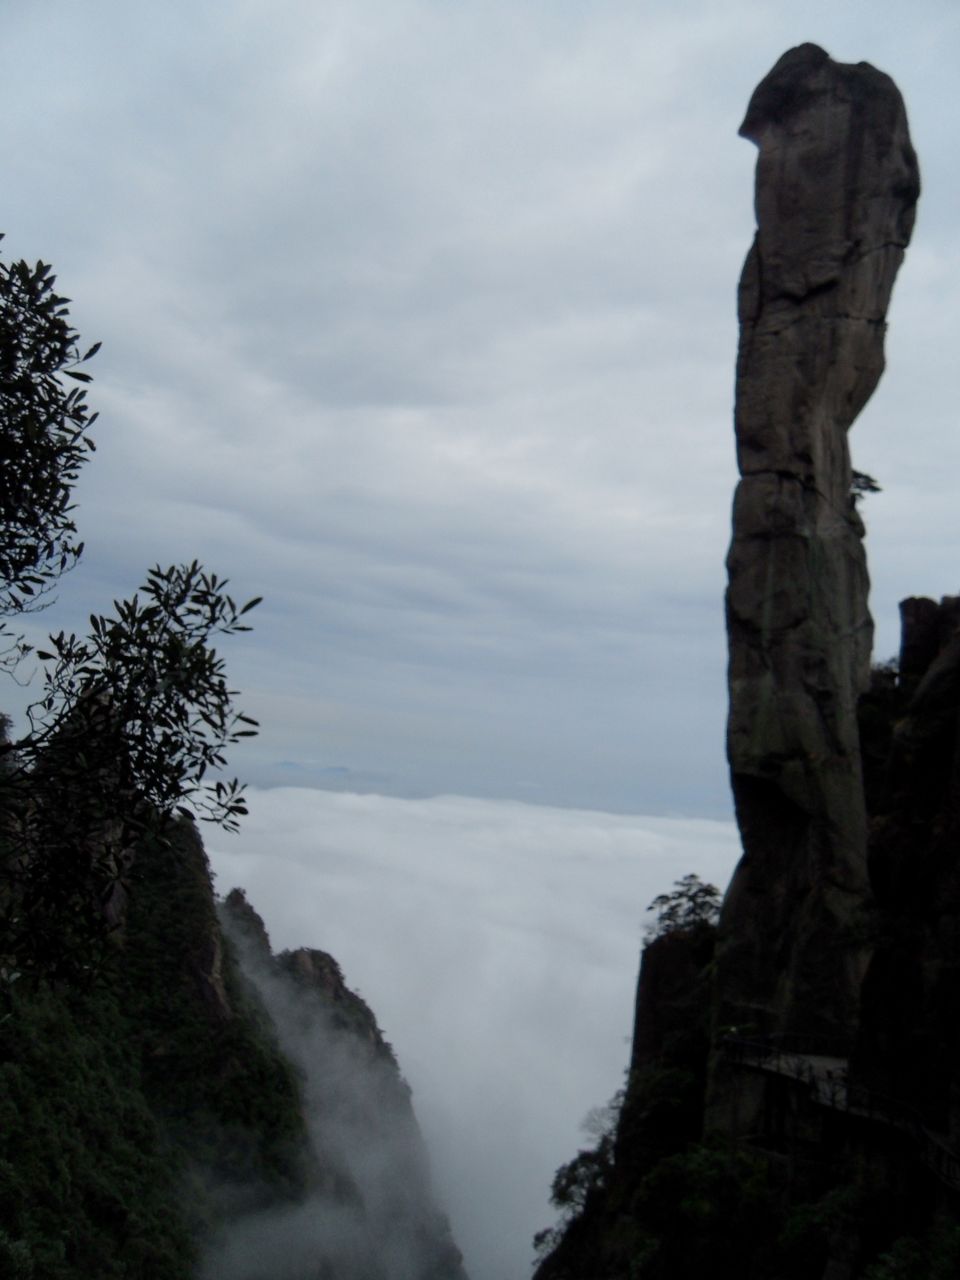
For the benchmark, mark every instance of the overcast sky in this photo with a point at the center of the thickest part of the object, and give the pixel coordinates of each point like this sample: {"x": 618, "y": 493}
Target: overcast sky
{"x": 418, "y": 320}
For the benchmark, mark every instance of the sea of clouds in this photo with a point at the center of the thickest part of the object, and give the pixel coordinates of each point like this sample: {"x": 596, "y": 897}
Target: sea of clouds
{"x": 497, "y": 943}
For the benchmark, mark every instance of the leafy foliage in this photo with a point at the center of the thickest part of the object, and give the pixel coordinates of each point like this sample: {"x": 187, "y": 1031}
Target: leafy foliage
{"x": 43, "y": 434}
{"x": 704, "y": 1205}
{"x": 861, "y": 484}
{"x": 113, "y": 1094}
{"x": 139, "y": 1114}
{"x": 88, "y": 1186}
{"x": 935, "y": 1257}
{"x": 610, "y": 1230}
{"x": 148, "y": 685}
{"x": 586, "y": 1174}
{"x": 131, "y": 717}
{"x": 211, "y": 1067}
{"x": 130, "y": 720}
{"x": 691, "y": 905}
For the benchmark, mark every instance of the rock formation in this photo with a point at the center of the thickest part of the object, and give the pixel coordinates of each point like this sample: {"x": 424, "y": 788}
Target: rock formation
{"x": 803, "y": 1120}
{"x": 160, "y": 1124}
{"x": 908, "y": 1045}
{"x": 836, "y": 187}
{"x": 371, "y": 1215}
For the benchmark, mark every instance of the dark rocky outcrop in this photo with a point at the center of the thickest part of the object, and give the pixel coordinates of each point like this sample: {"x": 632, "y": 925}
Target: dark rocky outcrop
{"x": 836, "y": 187}
{"x": 661, "y": 1115}
{"x": 908, "y": 1044}
{"x": 814, "y": 1075}
{"x": 166, "y": 1123}
{"x": 373, "y": 1216}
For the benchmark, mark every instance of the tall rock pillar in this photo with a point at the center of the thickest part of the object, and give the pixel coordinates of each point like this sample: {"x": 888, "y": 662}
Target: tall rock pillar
{"x": 836, "y": 187}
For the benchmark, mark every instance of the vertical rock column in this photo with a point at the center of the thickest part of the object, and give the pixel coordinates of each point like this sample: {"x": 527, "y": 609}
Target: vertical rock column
{"x": 836, "y": 187}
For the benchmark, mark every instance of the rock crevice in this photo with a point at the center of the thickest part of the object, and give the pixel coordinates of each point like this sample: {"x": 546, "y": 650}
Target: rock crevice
{"x": 836, "y": 186}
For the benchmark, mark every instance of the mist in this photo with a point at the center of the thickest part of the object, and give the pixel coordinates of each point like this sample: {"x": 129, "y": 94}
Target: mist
{"x": 369, "y": 1214}
{"x": 498, "y": 945}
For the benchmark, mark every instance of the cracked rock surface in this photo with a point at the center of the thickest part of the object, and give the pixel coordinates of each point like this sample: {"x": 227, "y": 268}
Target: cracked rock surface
{"x": 836, "y": 187}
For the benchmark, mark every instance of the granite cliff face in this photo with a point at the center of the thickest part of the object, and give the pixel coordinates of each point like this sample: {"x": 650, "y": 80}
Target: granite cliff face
{"x": 908, "y": 1041}
{"x": 793, "y": 1103}
{"x": 836, "y": 186}
{"x": 205, "y": 1110}
{"x": 373, "y": 1213}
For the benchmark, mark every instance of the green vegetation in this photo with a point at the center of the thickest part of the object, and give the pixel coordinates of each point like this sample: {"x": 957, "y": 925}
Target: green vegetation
{"x": 129, "y": 723}
{"x": 937, "y": 1257}
{"x": 43, "y": 441}
{"x": 210, "y": 1063}
{"x": 861, "y": 484}
{"x": 140, "y": 1110}
{"x": 691, "y": 905}
{"x": 132, "y": 717}
{"x": 702, "y": 1207}
{"x": 140, "y": 1114}
{"x": 707, "y": 1208}
{"x": 146, "y": 1109}
{"x": 657, "y": 1197}
{"x": 586, "y": 1174}
{"x": 616, "y": 1198}
{"x": 88, "y": 1184}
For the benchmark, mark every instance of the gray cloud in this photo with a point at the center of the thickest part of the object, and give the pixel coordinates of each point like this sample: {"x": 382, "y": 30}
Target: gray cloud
{"x": 418, "y": 321}
{"x": 497, "y": 943}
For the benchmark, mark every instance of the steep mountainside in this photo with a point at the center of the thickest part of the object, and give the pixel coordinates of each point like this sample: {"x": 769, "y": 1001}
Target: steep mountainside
{"x": 836, "y": 187}
{"x": 793, "y": 1104}
{"x": 184, "y": 1117}
{"x": 850, "y": 1168}
{"x": 372, "y": 1213}
{"x": 908, "y": 1041}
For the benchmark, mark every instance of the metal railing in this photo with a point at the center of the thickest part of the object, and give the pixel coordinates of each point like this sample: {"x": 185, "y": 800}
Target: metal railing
{"x": 826, "y": 1077}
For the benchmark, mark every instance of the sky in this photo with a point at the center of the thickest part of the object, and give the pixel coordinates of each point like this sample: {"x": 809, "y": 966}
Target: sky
{"x": 418, "y": 320}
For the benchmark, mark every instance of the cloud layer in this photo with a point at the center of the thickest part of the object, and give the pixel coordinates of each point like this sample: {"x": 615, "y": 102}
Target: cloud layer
{"x": 497, "y": 944}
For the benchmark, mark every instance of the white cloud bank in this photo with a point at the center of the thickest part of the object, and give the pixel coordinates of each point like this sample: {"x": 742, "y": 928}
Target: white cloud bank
{"x": 497, "y": 943}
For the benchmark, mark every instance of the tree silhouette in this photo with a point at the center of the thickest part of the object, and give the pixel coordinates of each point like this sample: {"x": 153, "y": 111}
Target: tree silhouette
{"x": 691, "y": 905}
{"x": 132, "y": 717}
{"x": 43, "y": 435}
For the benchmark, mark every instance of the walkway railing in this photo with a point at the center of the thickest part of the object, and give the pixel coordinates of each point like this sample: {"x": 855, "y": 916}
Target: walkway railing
{"x": 825, "y": 1075}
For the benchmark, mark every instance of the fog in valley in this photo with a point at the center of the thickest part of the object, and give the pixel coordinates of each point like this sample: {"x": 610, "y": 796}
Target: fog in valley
{"x": 498, "y": 945}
